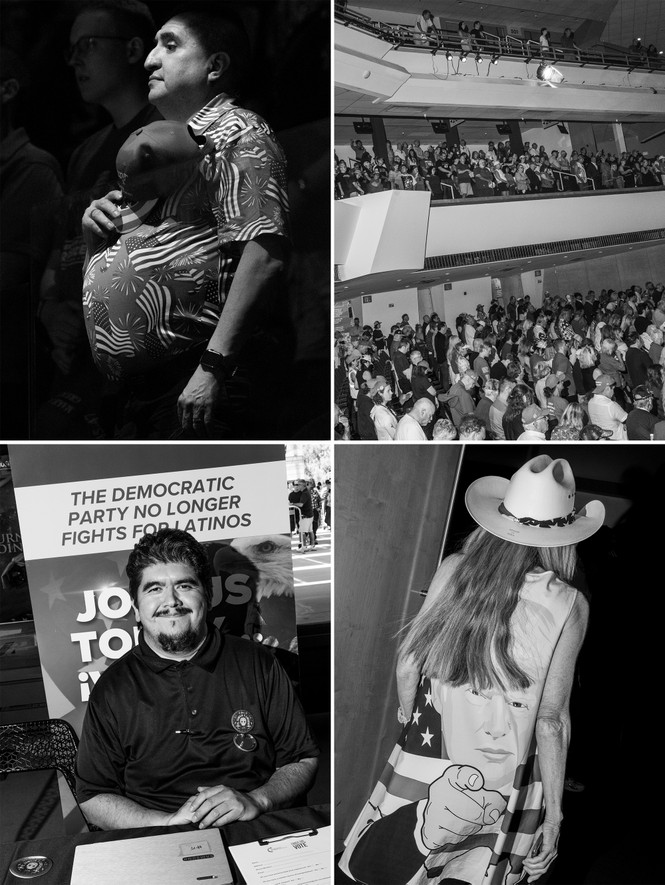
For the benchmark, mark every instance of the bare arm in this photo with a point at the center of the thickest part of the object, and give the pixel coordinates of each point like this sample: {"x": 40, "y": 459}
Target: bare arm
{"x": 553, "y": 732}
{"x": 261, "y": 262}
{"x": 219, "y": 805}
{"x": 112, "y": 812}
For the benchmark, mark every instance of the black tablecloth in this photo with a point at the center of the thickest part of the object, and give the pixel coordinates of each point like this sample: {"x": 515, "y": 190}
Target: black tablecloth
{"x": 61, "y": 850}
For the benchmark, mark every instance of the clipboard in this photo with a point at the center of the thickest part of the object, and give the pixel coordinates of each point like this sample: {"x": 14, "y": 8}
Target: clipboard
{"x": 299, "y": 858}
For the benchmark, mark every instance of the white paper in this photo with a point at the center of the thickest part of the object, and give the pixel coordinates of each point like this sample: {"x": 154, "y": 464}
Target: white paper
{"x": 295, "y": 859}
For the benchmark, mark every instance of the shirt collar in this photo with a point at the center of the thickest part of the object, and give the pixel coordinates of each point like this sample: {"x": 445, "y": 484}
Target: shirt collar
{"x": 205, "y": 657}
{"x": 207, "y": 117}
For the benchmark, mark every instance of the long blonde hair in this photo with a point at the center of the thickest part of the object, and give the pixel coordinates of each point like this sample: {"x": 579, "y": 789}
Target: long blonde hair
{"x": 464, "y": 635}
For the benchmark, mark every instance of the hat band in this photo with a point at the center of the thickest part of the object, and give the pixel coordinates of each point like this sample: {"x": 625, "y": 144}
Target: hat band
{"x": 557, "y": 522}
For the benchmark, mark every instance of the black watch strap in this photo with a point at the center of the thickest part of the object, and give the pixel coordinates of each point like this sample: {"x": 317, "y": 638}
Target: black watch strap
{"x": 217, "y": 363}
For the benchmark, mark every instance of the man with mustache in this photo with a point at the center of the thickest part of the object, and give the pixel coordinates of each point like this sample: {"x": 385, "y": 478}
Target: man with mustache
{"x": 191, "y": 726}
{"x": 206, "y": 371}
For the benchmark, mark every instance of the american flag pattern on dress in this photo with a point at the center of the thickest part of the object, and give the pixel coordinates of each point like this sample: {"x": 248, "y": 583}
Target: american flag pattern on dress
{"x": 488, "y": 855}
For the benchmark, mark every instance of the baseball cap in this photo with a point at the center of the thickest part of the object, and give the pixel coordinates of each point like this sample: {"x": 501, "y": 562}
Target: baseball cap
{"x": 603, "y": 381}
{"x": 532, "y": 413}
{"x": 156, "y": 159}
{"x": 641, "y": 392}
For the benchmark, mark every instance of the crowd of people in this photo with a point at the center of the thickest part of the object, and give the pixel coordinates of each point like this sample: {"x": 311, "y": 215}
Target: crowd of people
{"x": 455, "y": 171}
{"x": 310, "y": 506}
{"x": 577, "y": 368}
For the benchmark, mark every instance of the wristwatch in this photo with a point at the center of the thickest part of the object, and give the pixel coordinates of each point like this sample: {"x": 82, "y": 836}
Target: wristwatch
{"x": 217, "y": 364}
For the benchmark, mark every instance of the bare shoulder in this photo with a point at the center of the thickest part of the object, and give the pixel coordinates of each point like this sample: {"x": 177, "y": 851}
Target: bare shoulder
{"x": 442, "y": 576}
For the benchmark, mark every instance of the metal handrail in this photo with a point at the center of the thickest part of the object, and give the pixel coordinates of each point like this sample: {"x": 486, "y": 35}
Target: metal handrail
{"x": 452, "y": 189}
{"x": 406, "y": 35}
{"x": 571, "y": 175}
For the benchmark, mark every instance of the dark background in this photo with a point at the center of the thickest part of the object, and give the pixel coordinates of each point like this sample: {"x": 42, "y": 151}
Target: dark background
{"x": 289, "y": 85}
{"x": 611, "y": 829}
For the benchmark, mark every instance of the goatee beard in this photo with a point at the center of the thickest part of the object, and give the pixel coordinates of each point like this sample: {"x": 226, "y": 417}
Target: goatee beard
{"x": 181, "y": 642}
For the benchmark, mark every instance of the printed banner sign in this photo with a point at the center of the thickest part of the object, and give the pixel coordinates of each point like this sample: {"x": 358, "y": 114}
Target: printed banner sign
{"x": 14, "y": 597}
{"x": 81, "y": 510}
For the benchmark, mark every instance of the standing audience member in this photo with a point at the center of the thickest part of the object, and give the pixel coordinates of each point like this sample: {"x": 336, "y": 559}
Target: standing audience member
{"x": 203, "y": 375}
{"x": 604, "y": 412}
{"x": 30, "y": 193}
{"x": 108, "y": 43}
{"x": 410, "y": 425}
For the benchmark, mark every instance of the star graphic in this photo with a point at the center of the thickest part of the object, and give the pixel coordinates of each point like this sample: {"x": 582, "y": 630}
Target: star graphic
{"x": 427, "y": 737}
{"x": 53, "y": 590}
{"x": 429, "y": 699}
{"x": 96, "y": 664}
{"x": 416, "y": 716}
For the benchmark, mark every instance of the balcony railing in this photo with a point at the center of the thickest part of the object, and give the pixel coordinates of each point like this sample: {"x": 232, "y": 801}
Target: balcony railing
{"x": 491, "y": 47}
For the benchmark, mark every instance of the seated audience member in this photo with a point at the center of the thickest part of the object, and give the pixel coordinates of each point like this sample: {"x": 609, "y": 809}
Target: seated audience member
{"x": 471, "y": 428}
{"x": 410, "y": 426}
{"x": 143, "y": 760}
{"x": 604, "y": 411}
{"x": 641, "y": 423}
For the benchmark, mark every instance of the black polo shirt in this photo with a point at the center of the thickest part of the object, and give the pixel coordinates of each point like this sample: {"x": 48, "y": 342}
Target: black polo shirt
{"x": 157, "y": 729}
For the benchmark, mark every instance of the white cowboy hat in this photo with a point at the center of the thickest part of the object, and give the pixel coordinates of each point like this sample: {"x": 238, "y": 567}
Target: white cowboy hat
{"x": 535, "y": 507}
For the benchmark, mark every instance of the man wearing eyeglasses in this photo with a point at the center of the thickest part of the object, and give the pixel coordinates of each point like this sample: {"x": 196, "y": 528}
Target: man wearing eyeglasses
{"x": 108, "y": 43}
{"x": 196, "y": 70}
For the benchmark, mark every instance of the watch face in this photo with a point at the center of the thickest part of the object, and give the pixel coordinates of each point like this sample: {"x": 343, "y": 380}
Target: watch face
{"x": 212, "y": 361}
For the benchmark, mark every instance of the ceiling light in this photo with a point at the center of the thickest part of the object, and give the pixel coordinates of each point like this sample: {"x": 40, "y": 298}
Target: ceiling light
{"x": 549, "y": 74}
{"x": 449, "y": 55}
{"x": 463, "y": 56}
{"x": 494, "y": 58}
{"x": 479, "y": 57}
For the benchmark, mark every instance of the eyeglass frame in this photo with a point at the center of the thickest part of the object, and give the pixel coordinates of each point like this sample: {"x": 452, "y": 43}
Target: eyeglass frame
{"x": 75, "y": 48}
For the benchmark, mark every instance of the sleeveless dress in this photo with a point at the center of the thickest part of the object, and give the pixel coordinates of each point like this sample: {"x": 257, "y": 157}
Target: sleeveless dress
{"x": 461, "y": 796}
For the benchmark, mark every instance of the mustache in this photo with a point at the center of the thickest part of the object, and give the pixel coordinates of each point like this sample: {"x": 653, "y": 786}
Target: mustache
{"x": 178, "y": 610}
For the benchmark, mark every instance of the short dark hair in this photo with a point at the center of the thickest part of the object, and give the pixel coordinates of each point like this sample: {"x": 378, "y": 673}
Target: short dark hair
{"x": 221, "y": 31}
{"x": 132, "y": 16}
{"x": 168, "y": 545}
